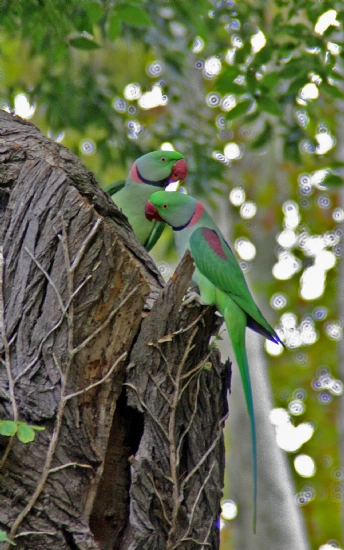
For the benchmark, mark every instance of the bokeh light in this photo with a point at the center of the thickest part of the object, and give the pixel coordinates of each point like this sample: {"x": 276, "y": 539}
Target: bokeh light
{"x": 290, "y": 437}
{"x": 213, "y": 99}
{"x": 248, "y": 210}
{"x": 304, "y": 465}
{"x": 229, "y": 509}
{"x": 212, "y": 67}
{"x": 325, "y": 20}
{"x": 22, "y": 106}
{"x": 167, "y": 146}
{"x": 312, "y": 283}
{"x": 155, "y": 69}
{"x": 220, "y": 157}
{"x": 153, "y": 98}
{"x": 309, "y": 91}
{"x": 164, "y": 269}
{"x": 132, "y": 91}
{"x": 291, "y": 213}
{"x": 334, "y": 330}
{"x": 258, "y": 41}
{"x": 245, "y": 249}
{"x": 286, "y": 266}
{"x": 325, "y": 142}
{"x": 278, "y": 300}
{"x": 120, "y": 105}
{"x": 88, "y": 146}
{"x": 228, "y": 102}
{"x": 273, "y": 349}
{"x": 338, "y": 215}
{"x": 287, "y": 238}
{"x": 295, "y": 335}
{"x": 233, "y": 151}
{"x": 330, "y": 546}
{"x": 296, "y": 407}
{"x": 305, "y": 496}
{"x": 198, "y": 45}
{"x": 237, "y": 196}
{"x": 325, "y": 381}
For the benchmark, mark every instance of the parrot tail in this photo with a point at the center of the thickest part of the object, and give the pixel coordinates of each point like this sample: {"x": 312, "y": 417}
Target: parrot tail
{"x": 236, "y": 320}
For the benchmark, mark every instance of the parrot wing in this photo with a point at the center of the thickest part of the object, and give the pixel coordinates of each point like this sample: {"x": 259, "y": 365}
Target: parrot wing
{"x": 216, "y": 261}
{"x": 115, "y": 186}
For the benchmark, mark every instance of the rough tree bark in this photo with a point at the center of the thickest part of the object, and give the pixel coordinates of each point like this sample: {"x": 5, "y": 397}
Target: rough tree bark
{"x": 122, "y": 378}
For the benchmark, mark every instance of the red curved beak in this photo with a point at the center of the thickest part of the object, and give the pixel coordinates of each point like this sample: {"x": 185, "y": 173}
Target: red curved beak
{"x": 151, "y": 212}
{"x": 179, "y": 171}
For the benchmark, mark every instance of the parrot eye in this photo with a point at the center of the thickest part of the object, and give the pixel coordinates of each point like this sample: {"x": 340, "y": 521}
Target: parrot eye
{"x": 163, "y": 159}
{"x": 165, "y": 206}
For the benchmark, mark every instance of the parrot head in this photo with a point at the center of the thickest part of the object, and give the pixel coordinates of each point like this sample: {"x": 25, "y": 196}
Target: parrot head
{"x": 159, "y": 168}
{"x": 174, "y": 208}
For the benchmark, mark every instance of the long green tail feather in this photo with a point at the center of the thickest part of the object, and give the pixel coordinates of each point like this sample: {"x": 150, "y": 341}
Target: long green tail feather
{"x": 235, "y": 320}
{"x": 155, "y": 235}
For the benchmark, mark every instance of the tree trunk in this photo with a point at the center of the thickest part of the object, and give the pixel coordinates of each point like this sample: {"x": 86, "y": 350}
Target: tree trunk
{"x": 81, "y": 310}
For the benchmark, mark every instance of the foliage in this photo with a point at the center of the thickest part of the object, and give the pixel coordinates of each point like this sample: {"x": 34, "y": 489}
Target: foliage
{"x": 87, "y": 69}
{"x": 24, "y": 432}
{"x": 4, "y": 538}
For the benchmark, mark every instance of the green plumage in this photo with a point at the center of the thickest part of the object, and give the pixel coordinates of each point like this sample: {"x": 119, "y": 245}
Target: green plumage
{"x": 220, "y": 281}
{"x": 148, "y": 174}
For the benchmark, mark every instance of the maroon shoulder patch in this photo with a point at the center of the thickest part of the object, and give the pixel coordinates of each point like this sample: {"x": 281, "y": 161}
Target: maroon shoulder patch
{"x": 214, "y": 241}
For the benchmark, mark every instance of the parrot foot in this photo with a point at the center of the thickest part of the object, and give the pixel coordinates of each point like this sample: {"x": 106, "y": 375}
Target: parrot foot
{"x": 191, "y": 299}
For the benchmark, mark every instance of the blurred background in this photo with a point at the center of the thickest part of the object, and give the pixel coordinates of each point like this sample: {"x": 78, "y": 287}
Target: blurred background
{"x": 251, "y": 92}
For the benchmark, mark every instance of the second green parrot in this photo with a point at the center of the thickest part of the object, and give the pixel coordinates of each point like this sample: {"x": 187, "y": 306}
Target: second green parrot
{"x": 149, "y": 173}
{"x": 220, "y": 281}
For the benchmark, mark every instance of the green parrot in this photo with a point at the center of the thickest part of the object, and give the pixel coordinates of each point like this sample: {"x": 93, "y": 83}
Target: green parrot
{"x": 148, "y": 173}
{"x": 220, "y": 281}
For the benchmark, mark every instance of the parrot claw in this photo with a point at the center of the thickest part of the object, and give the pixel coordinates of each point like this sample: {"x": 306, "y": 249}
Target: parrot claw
{"x": 191, "y": 299}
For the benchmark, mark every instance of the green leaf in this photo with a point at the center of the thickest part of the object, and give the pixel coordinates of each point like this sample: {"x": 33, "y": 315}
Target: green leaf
{"x": 336, "y": 75}
{"x": 286, "y": 49}
{"x": 263, "y": 56}
{"x": 226, "y": 79}
{"x": 270, "y": 80}
{"x": 81, "y": 21}
{"x": 8, "y": 427}
{"x": 297, "y": 30}
{"x": 293, "y": 68}
{"x": 269, "y": 105}
{"x": 263, "y": 137}
{"x": 83, "y": 43}
{"x": 38, "y": 428}
{"x": 335, "y": 164}
{"x": 333, "y": 180}
{"x": 133, "y": 16}
{"x": 296, "y": 85}
{"x": 291, "y": 145}
{"x": 114, "y": 27}
{"x": 239, "y": 109}
{"x": 232, "y": 88}
{"x": 4, "y": 538}
{"x": 251, "y": 81}
{"x": 94, "y": 10}
{"x": 175, "y": 62}
{"x": 333, "y": 91}
{"x": 25, "y": 433}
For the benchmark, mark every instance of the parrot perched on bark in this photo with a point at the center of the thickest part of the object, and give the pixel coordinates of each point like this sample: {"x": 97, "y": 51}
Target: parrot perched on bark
{"x": 148, "y": 173}
{"x": 220, "y": 281}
